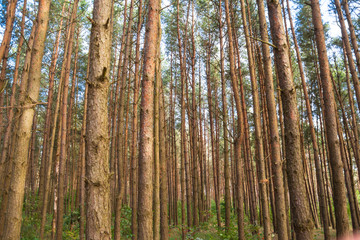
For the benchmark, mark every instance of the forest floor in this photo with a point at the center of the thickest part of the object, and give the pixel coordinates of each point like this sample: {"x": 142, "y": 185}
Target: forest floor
{"x": 208, "y": 232}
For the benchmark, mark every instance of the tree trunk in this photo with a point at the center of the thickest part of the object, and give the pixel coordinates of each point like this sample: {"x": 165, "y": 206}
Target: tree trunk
{"x": 13, "y": 214}
{"x": 319, "y": 177}
{"x": 194, "y": 128}
{"x": 239, "y": 137}
{"x": 156, "y": 168}
{"x": 164, "y": 227}
{"x": 224, "y": 118}
{"x": 353, "y": 41}
{"x": 134, "y": 158}
{"x": 339, "y": 193}
{"x": 274, "y": 141}
{"x": 212, "y": 137}
{"x": 300, "y": 209}
{"x": 351, "y": 64}
{"x": 47, "y": 127}
{"x": 4, "y": 47}
{"x": 82, "y": 166}
{"x": 120, "y": 127}
{"x": 183, "y": 144}
{"x": 98, "y": 216}
{"x": 7, "y": 135}
{"x": 64, "y": 127}
{"x": 145, "y": 216}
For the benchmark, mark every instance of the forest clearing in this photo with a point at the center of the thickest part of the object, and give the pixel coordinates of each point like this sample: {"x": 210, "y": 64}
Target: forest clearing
{"x": 179, "y": 119}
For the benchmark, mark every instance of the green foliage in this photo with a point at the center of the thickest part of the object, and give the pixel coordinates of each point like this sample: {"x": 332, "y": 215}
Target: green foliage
{"x": 31, "y": 218}
{"x": 30, "y": 228}
{"x": 210, "y": 230}
{"x": 126, "y": 213}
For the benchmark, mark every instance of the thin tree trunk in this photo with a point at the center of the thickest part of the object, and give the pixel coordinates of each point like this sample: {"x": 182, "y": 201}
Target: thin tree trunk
{"x": 164, "y": 226}
{"x": 275, "y": 143}
{"x": 134, "y": 158}
{"x": 113, "y": 153}
{"x": 194, "y": 129}
{"x": 63, "y": 119}
{"x": 212, "y": 137}
{"x": 120, "y": 128}
{"x": 353, "y": 42}
{"x": 339, "y": 194}
{"x": 225, "y": 134}
{"x": 183, "y": 130}
{"x": 239, "y": 137}
{"x": 82, "y": 166}
{"x": 5, "y": 43}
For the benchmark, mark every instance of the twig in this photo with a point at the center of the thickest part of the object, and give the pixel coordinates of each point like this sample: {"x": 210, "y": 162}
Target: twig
{"x": 26, "y": 106}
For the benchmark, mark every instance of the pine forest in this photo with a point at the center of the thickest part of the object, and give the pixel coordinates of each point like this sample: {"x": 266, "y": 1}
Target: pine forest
{"x": 180, "y": 119}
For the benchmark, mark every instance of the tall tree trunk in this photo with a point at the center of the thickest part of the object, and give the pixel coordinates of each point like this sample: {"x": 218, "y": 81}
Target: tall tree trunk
{"x": 224, "y": 118}
{"x": 256, "y": 105}
{"x": 183, "y": 143}
{"x": 212, "y": 137}
{"x": 156, "y": 167}
{"x": 194, "y": 128}
{"x": 300, "y": 209}
{"x": 275, "y": 143}
{"x": 47, "y": 127}
{"x": 72, "y": 128}
{"x": 7, "y": 135}
{"x": 120, "y": 127}
{"x": 82, "y": 165}
{"x": 163, "y": 156}
{"x": 12, "y": 225}
{"x": 134, "y": 158}
{"x": 339, "y": 193}
{"x": 113, "y": 153}
{"x": 319, "y": 177}
{"x": 98, "y": 215}
{"x": 239, "y": 137}
{"x": 146, "y": 123}
{"x": 64, "y": 127}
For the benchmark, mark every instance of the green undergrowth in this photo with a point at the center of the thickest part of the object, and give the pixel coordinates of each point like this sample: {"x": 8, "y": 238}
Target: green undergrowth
{"x": 208, "y": 230}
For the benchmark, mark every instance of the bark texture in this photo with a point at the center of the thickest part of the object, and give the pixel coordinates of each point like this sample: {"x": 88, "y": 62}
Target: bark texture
{"x": 98, "y": 215}
{"x": 300, "y": 209}
{"x": 22, "y": 135}
{"x": 146, "y": 149}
